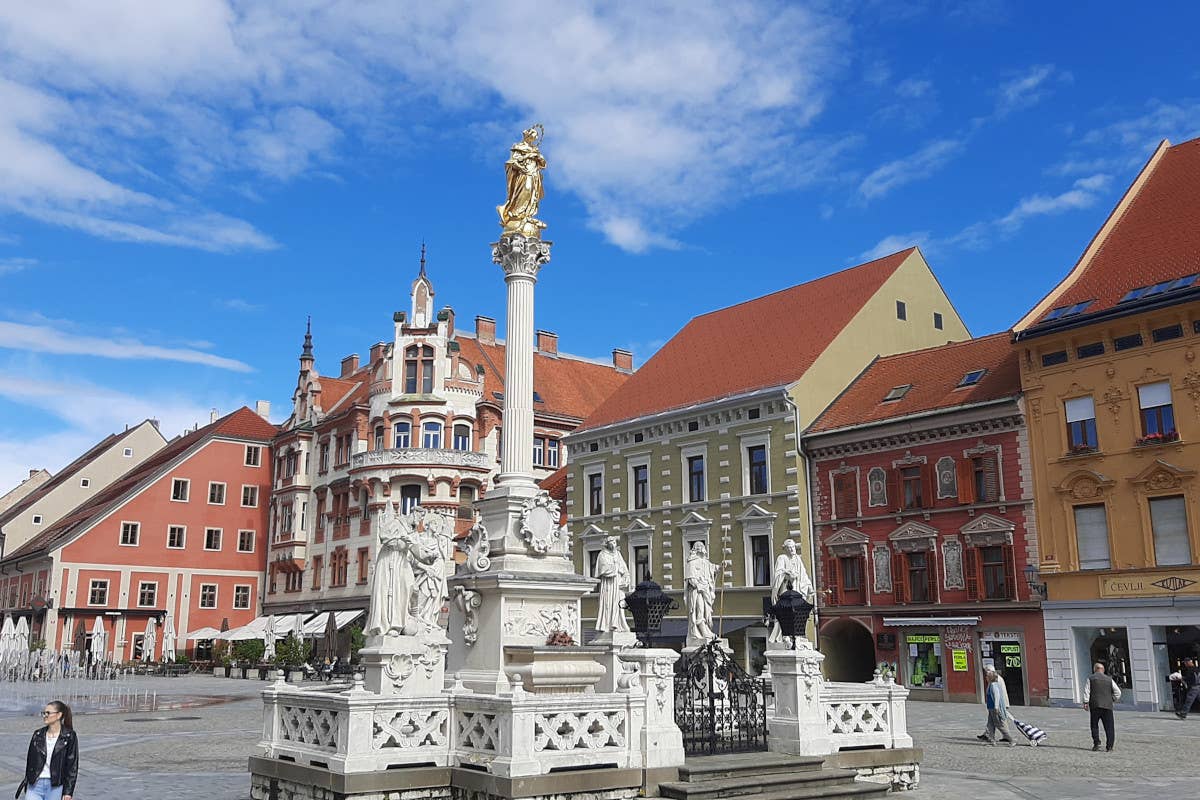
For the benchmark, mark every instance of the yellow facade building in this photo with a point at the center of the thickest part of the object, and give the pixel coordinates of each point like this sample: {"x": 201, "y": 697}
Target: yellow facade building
{"x": 1108, "y": 367}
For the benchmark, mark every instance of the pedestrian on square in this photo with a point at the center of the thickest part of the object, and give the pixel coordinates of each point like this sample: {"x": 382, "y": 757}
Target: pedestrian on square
{"x": 1190, "y": 676}
{"x": 52, "y": 763}
{"x": 989, "y": 674}
{"x": 997, "y": 706}
{"x": 1100, "y": 691}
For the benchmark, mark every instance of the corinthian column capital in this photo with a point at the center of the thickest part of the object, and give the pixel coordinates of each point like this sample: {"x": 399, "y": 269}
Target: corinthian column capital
{"x": 520, "y": 255}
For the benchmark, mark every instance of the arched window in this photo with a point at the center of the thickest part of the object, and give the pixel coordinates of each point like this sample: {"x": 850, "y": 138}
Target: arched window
{"x": 462, "y": 437}
{"x": 418, "y": 369}
{"x": 403, "y": 437}
{"x": 431, "y": 435}
{"x": 378, "y": 437}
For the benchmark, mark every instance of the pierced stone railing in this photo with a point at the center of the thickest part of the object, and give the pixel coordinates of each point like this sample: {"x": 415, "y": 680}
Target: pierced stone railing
{"x": 865, "y": 714}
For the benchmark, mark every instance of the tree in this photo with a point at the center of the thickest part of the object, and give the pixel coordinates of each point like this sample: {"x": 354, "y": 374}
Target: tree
{"x": 292, "y": 652}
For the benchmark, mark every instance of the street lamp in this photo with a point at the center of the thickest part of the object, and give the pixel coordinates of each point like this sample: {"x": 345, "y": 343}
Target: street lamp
{"x": 648, "y": 604}
{"x": 791, "y": 611}
{"x": 1031, "y": 578}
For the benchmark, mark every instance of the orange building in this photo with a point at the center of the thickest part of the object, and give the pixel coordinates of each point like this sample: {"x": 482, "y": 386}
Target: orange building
{"x": 1108, "y": 367}
{"x": 183, "y": 534}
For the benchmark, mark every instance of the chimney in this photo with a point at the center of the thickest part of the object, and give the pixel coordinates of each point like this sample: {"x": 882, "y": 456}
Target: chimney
{"x": 485, "y": 330}
{"x": 212, "y": 416}
{"x": 33, "y": 472}
{"x": 263, "y": 409}
{"x": 349, "y": 365}
{"x": 447, "y": 314}
{"x": 623, "y": 360}
{"x": 547, "y": 343}
{"x": 377, "y": 353}
{"x": 155, "y": 423}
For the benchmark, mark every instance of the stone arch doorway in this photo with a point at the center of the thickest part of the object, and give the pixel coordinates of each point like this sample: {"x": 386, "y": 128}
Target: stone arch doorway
{"x": 849, "y": 651}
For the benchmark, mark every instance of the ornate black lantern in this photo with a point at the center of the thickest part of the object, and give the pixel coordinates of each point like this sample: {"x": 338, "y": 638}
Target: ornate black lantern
{"x": 648, "y": 604}
{"x": 791, "y": 611}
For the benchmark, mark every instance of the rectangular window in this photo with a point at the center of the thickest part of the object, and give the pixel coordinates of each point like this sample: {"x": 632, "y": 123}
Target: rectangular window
{"x": 212, "y": 538}
{"x": 641, "y": 563}
{"x": 253, "y": 455}
{"x": 130, "y": 532}
{"x": 760, "y": 560}
{"x": 402, "y": 434}
{"x": 596, "y": 493}
{"x": 918, "y": 577}
{"x": 923, "y": 657}
{"x": 1158, "y": 415}
{"x": 1090, "y": 350}
{"x": 147, "y": 594}
{"x": 431, "y": 436}
{"x": 208, "y": 595}
{"x": 318, "y": 570}
{"x": 37, "y": 519}
{"x": 323, "y": 463}
{"x": 1081, "y": 424}
{"x": 995, "y": 581}
{"x": 1053, "y": 359}
{"x": 1167, "y": 334}
{"x": 845, "y": 495}
{"x": 249, "y": 497}
{"x": 910, "y": 479}
{"x": 241, "y": 596}
{"x": 641, "y": 486}
{"x": 462, "y": 437}
{"x": 901, "y": 310}
{"x": 363, "y": 561}
{"x": 987, "y": 484}
{"x": 695, "y": 465}
{"x": 246, "y": 541}
{"x": 937, "y": 320}
{"x": 127, "y": 452}
{"x": 539, "y": 447}
{"x": 756, "y": 459}
{"x": 1091, "y": 537}
{"x": 176, "y": 536}
{"x": 552, "y": 446}
{"x": 216, "y": 494}
{"x": 851, "y": 573}
{"x": 84, "y": 483}
{"x": 466, "y": 502}
{"x": 593, "y": 557}
{"x": 179, "y": 489}
{"x": 410, "y": 497}
{"x": 1168, "y": 518}
{"x": 98, "y": 593}
{"x": 1127, "y": 342}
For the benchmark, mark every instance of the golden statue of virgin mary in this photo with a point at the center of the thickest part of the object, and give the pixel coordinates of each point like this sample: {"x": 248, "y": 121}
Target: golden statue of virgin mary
{"x": 524, "y": 173}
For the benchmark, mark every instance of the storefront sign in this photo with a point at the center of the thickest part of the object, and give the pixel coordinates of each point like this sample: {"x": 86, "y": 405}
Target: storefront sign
{"x": 923, "y": 638}
{"x": 959, "y": 658}
{"x": 1149, "y": 584}
{"x": 1010, "y": 648}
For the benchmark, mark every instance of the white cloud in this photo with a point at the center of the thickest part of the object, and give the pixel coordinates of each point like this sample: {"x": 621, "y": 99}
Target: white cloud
{"x": 655, "y": 115}
{"x": 11, "y": 265}
{"x": 921, "y": 164}
{"x": 1083, "y": 194}
{"x": 1028, "y": 89}
{"x": 894, "y": 244}
{"x": 46, "y": 339}
{"x": 238, "y": 304}
{"x": 913, "y": 88}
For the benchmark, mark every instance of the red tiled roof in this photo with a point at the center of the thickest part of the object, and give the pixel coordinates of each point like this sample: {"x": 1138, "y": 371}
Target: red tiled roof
{"x": 725, "y": 353}
{"x": 1156, "y": 238}
{"x": 569, "y": 387}
{"x": 556, "y": 485}
{"x": 934, "y": 374}
{"x": 65, "y": 474}
{"x": 334, "y": 390}
{"x": 241, "y": 424}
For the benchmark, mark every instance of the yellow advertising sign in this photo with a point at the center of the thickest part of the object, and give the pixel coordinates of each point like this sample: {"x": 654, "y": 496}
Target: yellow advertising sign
{"x": 1150, "y": 584}
{"x": 922, "y": 638}
{"x": 959, "y": 660}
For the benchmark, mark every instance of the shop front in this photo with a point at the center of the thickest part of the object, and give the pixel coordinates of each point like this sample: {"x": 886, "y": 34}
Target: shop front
{"x": 937, "y": 658}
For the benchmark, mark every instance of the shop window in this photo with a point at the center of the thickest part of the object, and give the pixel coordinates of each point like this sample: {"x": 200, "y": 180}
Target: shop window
{"x": 1168, "y": 519}
{"x": 845, "y": 495}
{"x": 1091, "y": 537}
{"x": 924, "y": 660}
{"x": 760, "y": 560}
{"x": 1110, "y": 647}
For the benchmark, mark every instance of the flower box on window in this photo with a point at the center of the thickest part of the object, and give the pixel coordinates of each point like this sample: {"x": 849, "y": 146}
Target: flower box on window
{"x": 1082, "y": 449}
{"x": 1157, "y": 438}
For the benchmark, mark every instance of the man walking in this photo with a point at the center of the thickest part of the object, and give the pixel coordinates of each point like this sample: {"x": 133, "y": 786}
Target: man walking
{"x": 1191, "y": 685}
{"x": 1099, "y": 693}
{"x": 997, "y": 706}
{"x": 990, "y": 674}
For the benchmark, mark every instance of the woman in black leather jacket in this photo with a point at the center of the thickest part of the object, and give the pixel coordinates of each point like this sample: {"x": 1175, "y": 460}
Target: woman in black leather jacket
{"x": 53, "y": 777}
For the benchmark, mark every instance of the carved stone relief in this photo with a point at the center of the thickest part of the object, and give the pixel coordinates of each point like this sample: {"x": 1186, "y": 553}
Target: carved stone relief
{"x": 952, "y": 557}
{"x": 539, "y": 523}
{"x": 539, "y": 621}
{"x": 876, "y": 487}
{"x": 1191, "y": 385}
{"x": 947, "y": 478}
{"x": 1113, "y": 398}
{"x": 881, "y": 561}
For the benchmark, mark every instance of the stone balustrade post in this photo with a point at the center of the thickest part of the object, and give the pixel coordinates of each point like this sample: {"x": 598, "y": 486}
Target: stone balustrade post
{"x": 796, "y": 725}
{"x": 898, "y": 715}
{"x": 661, "y": 739}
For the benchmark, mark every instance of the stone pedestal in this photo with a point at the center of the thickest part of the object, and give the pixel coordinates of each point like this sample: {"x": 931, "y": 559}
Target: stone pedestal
{"x": 412, "y": 666}
{"x": 662, "y": 741}
{"x": 613, "y": 644}
{"x": 796, "y": 725}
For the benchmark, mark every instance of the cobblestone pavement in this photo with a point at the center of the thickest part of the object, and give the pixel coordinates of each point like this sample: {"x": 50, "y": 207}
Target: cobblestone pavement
{"x": 198, "y": 752}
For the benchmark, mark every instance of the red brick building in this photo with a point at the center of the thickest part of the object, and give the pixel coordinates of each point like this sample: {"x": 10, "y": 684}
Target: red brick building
{"x": 183, "y": 533}
{"x": 923, "y": 518}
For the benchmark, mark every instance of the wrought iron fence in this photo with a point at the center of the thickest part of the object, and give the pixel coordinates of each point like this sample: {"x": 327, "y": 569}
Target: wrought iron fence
{"x": 719, "y": 707}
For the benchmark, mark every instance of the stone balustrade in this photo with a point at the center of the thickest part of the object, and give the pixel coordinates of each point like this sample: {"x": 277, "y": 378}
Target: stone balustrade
{"x": 866, "y": 714}
{"x": 423, "y": 456}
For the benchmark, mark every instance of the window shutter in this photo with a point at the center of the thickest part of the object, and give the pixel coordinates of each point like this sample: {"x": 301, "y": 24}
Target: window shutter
{"x": 971, "y": 572}
{"x": 932, "y": 572}
{"x": 928, "y": 491}
{"x": 845, "y": 496}
{"x": 966, "y": 481}
{"x": 991, "y": 478}
{"x": 895, "y": 498}
{"x": 900, "y": 577}
{"x": 1168, "y": 520}
{"x": 1010, "y": 572}
{"x": 832, "y": 582}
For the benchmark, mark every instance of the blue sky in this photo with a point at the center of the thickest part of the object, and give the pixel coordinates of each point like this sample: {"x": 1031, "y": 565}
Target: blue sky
{"x": 182, "y": 183}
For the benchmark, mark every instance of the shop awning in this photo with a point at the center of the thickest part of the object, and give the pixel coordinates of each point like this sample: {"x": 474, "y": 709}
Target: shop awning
{"x": 928, "y": 622}
{"x": 315, "y": 628}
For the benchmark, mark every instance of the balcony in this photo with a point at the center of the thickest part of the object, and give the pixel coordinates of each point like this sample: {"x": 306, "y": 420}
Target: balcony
{"x": 418, "y": 456}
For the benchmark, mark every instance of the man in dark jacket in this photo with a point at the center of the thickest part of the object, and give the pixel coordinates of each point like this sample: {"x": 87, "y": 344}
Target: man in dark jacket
{"x": 1099, "y": 693}
{"x": 1191, "y": 685}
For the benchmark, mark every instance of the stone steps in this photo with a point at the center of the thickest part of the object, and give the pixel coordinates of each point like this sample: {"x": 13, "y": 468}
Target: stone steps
{"x": 766, "y": 776}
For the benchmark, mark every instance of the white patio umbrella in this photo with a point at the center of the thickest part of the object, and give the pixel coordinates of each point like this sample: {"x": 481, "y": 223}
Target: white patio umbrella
{"x": 7, "y": 630}
{"x": 21, "y": 637}
{"x": 99, "y": 641}
{"x": 298, "y": 627}
{"x": 269, "y": 639}
{"x": 149, "y": 639}
{"x": 202, "y": 633}
{"x": 168, "y": 655}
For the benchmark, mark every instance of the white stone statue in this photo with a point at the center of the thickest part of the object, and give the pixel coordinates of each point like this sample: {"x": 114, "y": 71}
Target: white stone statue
{"x": 392, "y": 588}
{"x": 790, "y": 573}
{"x": 699, "y": 594}
{"x": 614, "y": 583}
{"x": 429, "y": 555}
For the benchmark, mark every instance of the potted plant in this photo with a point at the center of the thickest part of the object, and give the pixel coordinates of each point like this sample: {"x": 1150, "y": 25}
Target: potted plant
{"x": 291, "y": 655}
{"x": 1081, "y": 449}
{"x": 358, "y": 640}
{"x": 1165, "y": 437}
{"x": 248, "y": 653}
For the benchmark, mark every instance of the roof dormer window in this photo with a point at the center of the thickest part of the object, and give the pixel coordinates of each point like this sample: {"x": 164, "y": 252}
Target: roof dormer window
{"x": 971, "y": 378}
{"x": 897, "y": 393}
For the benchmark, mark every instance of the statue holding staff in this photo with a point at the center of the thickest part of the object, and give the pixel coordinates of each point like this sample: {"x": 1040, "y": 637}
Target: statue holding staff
{"x": 699, "y": 594}
{"x": 614, "y": 582}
